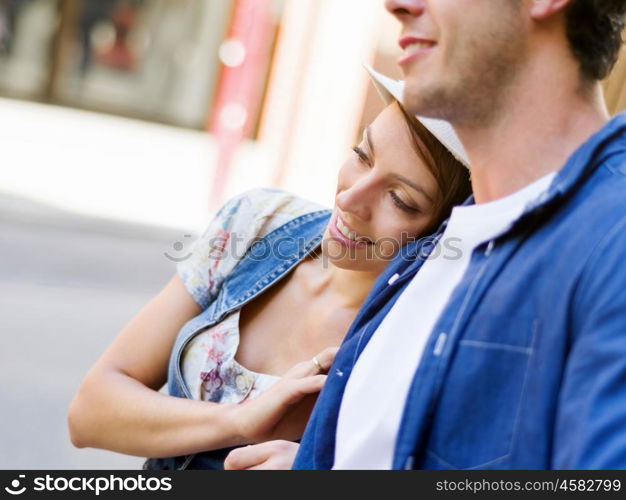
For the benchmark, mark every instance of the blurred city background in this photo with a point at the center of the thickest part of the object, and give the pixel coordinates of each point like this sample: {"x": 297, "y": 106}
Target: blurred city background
{"x": 124, "y": 125}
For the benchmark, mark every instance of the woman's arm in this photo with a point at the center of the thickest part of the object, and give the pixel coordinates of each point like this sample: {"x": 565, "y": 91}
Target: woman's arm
{"x": 118, "y": 406}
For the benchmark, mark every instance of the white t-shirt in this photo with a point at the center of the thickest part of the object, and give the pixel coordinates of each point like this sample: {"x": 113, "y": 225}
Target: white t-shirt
{"x": 375, "y": 395}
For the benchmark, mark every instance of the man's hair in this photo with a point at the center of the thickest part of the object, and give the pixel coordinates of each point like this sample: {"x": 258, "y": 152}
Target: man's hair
{"x": 594, "y": 30}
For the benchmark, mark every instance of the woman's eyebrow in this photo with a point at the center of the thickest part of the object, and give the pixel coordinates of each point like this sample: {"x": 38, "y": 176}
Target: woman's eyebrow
{"x": 417, "y": 187}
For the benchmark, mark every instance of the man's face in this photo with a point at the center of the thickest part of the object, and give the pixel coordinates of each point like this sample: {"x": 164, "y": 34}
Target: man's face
{"x": 460, "y": 56}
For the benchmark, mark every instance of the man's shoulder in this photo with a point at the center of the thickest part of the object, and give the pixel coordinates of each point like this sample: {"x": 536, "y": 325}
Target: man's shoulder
{"x": 596, "y": 175}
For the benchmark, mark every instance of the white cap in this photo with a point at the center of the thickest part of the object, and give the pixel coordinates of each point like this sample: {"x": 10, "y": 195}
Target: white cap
{"x": 392, "y": 90}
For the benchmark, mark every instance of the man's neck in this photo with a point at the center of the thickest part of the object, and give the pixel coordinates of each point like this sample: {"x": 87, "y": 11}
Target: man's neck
{"x": 542, "y": 124}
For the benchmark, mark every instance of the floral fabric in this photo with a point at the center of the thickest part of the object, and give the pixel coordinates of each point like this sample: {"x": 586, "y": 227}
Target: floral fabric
{"x": 209, "y": 368}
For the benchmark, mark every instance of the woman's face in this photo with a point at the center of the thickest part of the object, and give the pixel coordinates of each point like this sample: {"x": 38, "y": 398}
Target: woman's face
{"x": 385, "y": 196}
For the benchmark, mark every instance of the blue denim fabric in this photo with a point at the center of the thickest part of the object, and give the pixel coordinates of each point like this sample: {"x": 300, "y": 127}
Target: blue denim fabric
{"x": 266, "y": 262}
{"x": 526, "y": 367}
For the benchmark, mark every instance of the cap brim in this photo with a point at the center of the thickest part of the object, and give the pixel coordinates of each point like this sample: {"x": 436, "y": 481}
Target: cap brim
{"x": 391, "y": 90}
{"x": 388, "y": 88}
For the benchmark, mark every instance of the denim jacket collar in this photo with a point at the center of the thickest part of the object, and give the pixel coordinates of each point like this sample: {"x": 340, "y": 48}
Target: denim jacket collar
{"x": 265, "y": 263}
{"x": 579, "y": 166}
{"x": 270, "y": 258}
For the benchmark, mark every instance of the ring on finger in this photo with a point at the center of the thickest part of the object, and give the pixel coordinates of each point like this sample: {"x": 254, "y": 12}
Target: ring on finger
{"x": 317, "y": 364}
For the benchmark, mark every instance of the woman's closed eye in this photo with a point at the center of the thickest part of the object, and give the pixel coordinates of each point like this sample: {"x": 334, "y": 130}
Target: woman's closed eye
{"x": 362, "y": 155}
{"x": 403, "y": 206}
{"x": 366, "y": 160}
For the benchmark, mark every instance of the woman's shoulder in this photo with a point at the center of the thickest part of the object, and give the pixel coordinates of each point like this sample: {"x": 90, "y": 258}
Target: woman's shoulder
{"x": 242, "y": 220}
{"x": 271, "y": 206}
{"x": 255, "y": 213}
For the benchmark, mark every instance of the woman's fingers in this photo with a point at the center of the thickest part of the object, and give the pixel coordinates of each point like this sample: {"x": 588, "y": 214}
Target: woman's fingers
{"x": 257, "y": 418}
{"x": 299, "y": 388}
{"x": 275, "y": 455}
{"x": 326, "y": 357}
{"x": 310, "y": 367}
{"x": 246, "y": 457}
{"x": 289, "y": 391}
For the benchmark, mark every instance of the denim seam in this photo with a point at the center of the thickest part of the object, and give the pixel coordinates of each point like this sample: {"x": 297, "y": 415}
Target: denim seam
{"x": 295, "y": 223}
{"x": 593, "y": 256}
{"x": 454, "y": 329}
{"x": 610, "y": 160}
{"x": 496, "y": 346}
{"x": 271, "y": 277}
{"x": 452, "y": 466}
{"x": 358, "y": 345}
{"x": 455, "y": 325}
{"x": 535, "y": 327}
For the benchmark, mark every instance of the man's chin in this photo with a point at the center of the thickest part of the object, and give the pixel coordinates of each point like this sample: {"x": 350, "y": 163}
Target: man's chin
{"x": 426, "y": 99}
{"x": 416, "y": 102}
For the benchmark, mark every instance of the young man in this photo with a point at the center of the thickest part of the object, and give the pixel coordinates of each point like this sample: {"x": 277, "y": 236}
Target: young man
{"x": 514, "y": 354}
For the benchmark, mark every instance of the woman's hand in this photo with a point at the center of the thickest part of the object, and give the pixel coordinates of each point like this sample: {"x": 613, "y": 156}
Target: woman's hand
{"x": 283, "y": 410}
{"x": 273, "y": 455}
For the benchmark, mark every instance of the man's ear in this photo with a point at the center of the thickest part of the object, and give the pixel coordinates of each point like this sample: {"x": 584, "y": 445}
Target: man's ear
{"x": 544, "y": 9}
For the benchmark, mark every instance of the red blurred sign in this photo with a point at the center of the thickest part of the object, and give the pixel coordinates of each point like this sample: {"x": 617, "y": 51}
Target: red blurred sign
{"x": 247, "y": 51}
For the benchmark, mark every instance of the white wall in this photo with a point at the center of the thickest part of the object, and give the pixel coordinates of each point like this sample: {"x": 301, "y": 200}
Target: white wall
{"x": 318, "y": 90}
{"x": 106, "y": 166}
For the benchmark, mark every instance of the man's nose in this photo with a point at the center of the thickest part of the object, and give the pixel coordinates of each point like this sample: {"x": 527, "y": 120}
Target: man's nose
{"x": 405, "y": 8}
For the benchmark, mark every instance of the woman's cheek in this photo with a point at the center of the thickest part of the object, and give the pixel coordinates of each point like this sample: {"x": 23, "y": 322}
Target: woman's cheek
{"x": 387, "y": 246}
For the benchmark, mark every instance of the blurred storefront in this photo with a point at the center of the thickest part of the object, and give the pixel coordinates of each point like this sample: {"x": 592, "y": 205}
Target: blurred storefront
{"x": 149, "y": 59}
{"x": 275, "y": 87}
{"x": 277, "y": 84}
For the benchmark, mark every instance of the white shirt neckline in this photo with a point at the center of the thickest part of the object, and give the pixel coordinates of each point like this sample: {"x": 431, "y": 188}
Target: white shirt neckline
{"x": 375, "y": 395}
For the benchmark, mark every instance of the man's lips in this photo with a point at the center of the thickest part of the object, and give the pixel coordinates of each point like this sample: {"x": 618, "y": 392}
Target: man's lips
{"x": 407, "y": 41}
{"x": 413, "y": 47}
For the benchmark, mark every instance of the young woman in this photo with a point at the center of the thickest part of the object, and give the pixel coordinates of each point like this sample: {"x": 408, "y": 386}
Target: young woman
{"x": 274, "y": 282}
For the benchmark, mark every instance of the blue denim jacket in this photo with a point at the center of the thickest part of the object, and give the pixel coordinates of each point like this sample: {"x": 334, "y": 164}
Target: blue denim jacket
{"x": 526, "y": 367}
{"x": 265, "y": 263}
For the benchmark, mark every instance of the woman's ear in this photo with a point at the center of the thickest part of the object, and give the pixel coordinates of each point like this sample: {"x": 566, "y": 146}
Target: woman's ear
{"x": 541, "y": 10}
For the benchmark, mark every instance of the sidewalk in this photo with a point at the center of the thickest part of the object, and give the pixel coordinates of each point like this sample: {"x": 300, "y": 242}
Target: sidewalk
{"x": 68, "y": 284}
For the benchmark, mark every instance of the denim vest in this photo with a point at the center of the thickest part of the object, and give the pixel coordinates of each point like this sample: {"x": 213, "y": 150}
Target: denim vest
{"x": 265, "y": 263}
{"x": 526, "y": 366}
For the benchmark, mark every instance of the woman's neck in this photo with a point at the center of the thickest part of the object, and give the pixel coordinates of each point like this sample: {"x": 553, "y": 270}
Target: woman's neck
{"x": 348, "y": 288}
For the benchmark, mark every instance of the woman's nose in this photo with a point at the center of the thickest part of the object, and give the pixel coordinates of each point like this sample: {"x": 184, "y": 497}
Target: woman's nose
{"x": 357, "y": 200}
{"x": 402, "y": 8}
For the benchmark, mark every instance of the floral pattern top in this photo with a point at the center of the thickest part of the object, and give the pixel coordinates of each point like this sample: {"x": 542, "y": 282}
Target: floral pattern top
{"x": 209, "y": 368}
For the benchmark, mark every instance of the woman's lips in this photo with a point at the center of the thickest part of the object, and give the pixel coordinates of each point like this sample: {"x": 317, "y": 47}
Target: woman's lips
{"x": 344, "y": 240}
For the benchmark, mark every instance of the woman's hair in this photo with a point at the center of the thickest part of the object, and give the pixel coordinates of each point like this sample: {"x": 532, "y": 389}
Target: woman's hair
{"x": 453, "y": 178}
